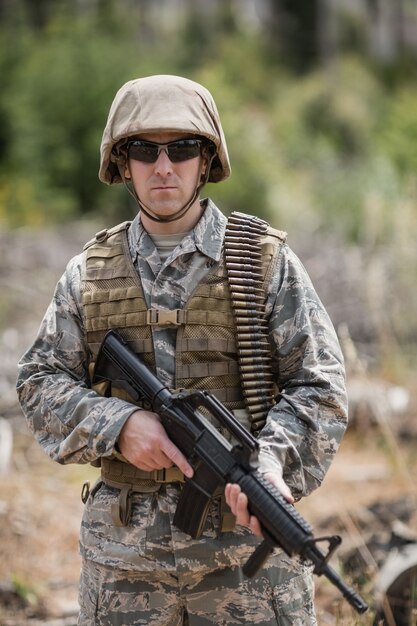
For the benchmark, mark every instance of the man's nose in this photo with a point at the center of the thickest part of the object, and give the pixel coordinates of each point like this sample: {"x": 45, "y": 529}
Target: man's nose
{"x": 163, "y": 164}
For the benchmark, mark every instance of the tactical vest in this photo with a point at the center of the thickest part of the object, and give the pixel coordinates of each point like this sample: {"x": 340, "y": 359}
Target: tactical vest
{"x": 206, "y": 347}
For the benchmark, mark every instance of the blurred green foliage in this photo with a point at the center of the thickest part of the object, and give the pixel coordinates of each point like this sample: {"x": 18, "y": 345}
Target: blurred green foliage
{"x": 312, "y": 147}
{"x": 322, "y": 137}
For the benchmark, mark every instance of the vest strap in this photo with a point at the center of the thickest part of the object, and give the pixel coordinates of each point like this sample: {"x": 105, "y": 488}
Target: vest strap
{"x": 178, "y": 317}
{"x": 165, "y": 317}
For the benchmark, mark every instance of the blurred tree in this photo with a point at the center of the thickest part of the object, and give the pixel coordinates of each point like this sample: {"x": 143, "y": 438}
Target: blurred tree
{"x": 34, "y": 14}
{"x": 293, "y": 32}
{"x": 197, "y": 37}
{"x": 57, "y": 109}
{"x": 38, "y": 12}
{"x": 286, "y": 124}
{"x": 205, "y": 27}
{"x": 387, "y": 21}
{"x": 397, "y": 137}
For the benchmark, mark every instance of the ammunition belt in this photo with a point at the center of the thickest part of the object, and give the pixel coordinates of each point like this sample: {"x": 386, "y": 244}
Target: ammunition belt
{"x": 244, "y": 270}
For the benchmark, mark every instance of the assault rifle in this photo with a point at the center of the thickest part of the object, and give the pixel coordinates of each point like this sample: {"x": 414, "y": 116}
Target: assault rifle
{"x": 216, "y": 462}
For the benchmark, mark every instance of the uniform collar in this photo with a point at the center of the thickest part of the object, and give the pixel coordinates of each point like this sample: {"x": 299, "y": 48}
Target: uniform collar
{"x": 207, "y": 236}
{"x": 209, "y": 231}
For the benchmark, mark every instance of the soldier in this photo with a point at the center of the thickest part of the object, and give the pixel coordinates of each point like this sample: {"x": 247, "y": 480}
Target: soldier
{"x": 161, "y": 281}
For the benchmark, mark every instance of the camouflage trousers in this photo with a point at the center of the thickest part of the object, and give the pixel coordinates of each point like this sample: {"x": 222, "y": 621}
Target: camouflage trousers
{"x": 151, "y": 573}
{"x": 111, "y": 597}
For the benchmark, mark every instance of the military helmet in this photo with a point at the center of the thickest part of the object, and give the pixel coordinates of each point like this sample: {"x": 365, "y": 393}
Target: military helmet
{"x": 162, "y": 103}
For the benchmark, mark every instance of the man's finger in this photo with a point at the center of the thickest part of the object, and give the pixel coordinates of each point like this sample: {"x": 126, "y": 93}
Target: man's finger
{"x": 242, "y": 513}
{"x": 255, "y": 526}
{"x": 281, "y": 485}
{"x": 178, "y": 459}
{"x": 232, "y": 492}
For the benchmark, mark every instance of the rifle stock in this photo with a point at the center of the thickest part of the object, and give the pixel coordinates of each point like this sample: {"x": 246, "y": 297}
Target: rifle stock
{"x": 215, "y": 462}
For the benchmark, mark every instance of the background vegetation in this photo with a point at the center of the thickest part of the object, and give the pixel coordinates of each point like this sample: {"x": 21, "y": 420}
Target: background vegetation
{"x": 317, "y": 100}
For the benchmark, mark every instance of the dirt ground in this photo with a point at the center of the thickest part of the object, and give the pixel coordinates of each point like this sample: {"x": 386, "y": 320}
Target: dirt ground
{"x": 40, "y": 505}
{"x": 40, "y": 512}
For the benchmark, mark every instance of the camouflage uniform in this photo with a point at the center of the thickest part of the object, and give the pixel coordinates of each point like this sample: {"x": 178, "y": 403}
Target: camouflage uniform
{"x": 149, "y": 572}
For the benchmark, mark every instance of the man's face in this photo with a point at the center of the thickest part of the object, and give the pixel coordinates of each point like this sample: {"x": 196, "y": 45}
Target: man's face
{"x": 164, "y": 186}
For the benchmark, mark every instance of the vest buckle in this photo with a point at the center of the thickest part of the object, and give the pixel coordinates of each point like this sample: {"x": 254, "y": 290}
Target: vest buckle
{"x": 165, "y": 317}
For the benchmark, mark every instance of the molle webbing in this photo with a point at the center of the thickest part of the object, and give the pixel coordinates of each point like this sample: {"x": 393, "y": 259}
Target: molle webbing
{"x": 246, "y": 278}
{"x": 112, "y": 295}
{"x": 207, "y": 352}
{"x": 113, "y": 298}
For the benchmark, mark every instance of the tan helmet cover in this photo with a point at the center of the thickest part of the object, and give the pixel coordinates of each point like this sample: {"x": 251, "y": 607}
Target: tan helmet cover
{"x": 162, "y": 103}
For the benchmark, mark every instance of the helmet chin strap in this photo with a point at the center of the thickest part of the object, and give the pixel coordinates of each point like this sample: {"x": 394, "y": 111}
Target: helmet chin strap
{"x": 201, "y": 181}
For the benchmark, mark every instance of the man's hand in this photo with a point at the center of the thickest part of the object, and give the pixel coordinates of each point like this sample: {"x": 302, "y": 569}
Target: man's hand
{"x": 238, "y": 502}
{"x": 144, "y": 443}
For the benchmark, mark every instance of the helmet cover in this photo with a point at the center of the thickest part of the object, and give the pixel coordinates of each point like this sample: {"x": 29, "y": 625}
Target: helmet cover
{"x": 162, "y": 103}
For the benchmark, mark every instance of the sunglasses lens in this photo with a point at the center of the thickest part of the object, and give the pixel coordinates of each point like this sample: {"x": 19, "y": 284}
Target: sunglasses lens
{"x": 148, "y": 152}
{"x": 183, "y": 150}
{"x": 143, "y": 151}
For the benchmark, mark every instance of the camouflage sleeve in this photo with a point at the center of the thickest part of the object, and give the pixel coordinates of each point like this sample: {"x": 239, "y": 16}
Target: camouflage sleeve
{"x": 305, "y": 427}
{"x": 71, "y": 422}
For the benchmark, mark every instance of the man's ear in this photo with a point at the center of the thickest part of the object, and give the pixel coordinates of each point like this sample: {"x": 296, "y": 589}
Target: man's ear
{"x": 207, "y": 156}
{"x": 127, "y": 173}
{"x": 204, "y": 165}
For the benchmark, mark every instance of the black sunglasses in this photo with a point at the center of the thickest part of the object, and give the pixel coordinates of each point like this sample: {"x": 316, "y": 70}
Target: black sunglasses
{"x": 179, "y": 150}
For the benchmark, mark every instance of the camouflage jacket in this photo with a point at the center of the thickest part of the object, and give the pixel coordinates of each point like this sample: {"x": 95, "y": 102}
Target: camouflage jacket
{"x": 75, "y": 425}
